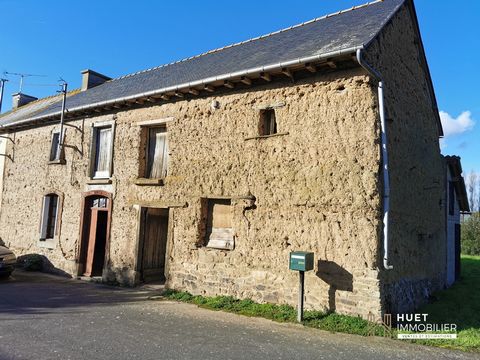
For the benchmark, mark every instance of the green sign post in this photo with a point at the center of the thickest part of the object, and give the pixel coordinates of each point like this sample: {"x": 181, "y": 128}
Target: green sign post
{"x": 301, "y": 261}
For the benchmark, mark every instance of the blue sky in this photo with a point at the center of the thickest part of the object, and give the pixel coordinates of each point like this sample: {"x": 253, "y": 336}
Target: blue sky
{"x": 60, "y": 38}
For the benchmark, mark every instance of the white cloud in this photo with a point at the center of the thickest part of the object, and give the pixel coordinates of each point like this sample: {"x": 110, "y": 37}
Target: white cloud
{"x": 458, "y": 125}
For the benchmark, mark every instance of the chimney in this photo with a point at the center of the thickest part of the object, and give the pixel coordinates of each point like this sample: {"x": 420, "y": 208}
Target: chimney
{"x": 20, "y": 99}
{"x": 92, "y": 78}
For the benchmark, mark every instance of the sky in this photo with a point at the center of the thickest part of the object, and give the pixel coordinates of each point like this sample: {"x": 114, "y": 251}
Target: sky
{"x": 58, "y": 39}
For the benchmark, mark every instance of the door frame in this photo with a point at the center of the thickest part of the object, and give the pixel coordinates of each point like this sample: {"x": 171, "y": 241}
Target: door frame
{"x": 84, "y": 229}
{"x": 140, "y": 241}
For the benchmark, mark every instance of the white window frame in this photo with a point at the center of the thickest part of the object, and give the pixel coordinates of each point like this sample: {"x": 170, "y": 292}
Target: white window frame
{"x": 93, "y": 149}
{"x": 165, "y": 152}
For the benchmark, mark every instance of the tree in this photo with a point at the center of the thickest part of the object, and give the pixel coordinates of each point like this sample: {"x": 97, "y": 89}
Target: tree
{"x": 471, "y": 235}
{"x": 473, "y": 190}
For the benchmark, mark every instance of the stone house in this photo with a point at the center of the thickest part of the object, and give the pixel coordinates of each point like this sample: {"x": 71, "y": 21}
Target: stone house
{"x": 209, "y": 171}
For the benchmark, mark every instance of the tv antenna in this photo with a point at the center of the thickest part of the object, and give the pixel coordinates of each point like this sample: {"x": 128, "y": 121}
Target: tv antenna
{"x": 22, "y": 76}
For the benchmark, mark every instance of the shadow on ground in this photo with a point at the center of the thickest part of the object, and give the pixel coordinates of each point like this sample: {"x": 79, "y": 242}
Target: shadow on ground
{"x": 38, "y": 293}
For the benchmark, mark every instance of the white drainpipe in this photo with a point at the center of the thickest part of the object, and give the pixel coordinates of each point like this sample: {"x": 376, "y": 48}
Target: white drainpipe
{"x": 384, "y": 139}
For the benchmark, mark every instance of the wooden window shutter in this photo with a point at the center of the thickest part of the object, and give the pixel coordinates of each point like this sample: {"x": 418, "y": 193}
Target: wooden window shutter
{"x": 55, "y": 149}
{"x": 220, "y": 233}
{"x": 52, "y": 216}
{"x": 44, "y": 218}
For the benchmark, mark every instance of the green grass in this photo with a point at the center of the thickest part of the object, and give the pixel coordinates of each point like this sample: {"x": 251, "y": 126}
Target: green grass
{"x": 459, "y": 304}
{"x": 281, "y": 313}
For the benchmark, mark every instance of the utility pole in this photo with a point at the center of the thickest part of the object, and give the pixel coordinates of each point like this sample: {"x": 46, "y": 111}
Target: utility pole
{"x": 64, "y": 92}
{"x": 2, "y": 86}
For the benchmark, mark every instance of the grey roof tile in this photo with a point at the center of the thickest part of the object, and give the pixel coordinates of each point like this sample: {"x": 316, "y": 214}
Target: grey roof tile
{"x": 343, "y": 30}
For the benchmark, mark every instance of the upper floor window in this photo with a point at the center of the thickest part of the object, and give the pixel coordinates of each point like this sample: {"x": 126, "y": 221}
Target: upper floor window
{"x": 49, "y": 216}
{"x": 56, "y": 151}
{"x": 55, "y": 147}
{"x": 268, "y": 122}
{"x": 157, "y": 153}
{"x": 102, "y": 152}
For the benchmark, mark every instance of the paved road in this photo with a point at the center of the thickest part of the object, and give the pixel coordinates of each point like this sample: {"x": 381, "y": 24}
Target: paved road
{"x": 46, "y": 317}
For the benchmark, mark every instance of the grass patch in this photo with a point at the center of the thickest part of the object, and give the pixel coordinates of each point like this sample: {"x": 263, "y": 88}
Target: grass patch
{"x": 460, "y": 304}
{"x": 281, "y": 313}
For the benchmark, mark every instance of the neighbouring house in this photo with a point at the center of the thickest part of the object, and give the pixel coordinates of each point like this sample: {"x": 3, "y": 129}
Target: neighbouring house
{"x": 209, "y": 171}
{"x": 457, "y": 203}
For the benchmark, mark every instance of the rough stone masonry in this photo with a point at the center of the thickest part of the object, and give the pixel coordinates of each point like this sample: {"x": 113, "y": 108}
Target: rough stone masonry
{"x": 314, "y": 186}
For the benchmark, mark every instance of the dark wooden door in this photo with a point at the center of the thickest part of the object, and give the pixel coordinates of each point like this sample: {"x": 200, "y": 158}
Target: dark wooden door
{"x": 154, "y": 244}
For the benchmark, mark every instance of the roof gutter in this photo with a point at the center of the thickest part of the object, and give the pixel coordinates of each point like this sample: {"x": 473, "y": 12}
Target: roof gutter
{"x": 257, "y": 70}
{"x": 384, "y": 142}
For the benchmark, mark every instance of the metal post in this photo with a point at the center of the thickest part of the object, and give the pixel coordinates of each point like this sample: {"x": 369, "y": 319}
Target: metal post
{"x": 64, "y": 91}
{"x": 2, "y": 85}
{"x": 301, "y": 288}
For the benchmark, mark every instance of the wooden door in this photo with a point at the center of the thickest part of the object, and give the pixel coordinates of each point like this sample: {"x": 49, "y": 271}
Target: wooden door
{"x": 457, "y": 252}
{"x": 154, "y": 247}
{"x": 96, "y": 241}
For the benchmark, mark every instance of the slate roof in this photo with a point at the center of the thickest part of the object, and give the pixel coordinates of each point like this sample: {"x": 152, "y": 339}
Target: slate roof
{"x": 455, "y": 166}
{"x": 326, "y": 36}
{"x": 33, "y": 108}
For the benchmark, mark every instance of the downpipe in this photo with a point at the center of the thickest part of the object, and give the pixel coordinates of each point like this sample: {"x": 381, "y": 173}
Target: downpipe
{"x": 384, "y": 141}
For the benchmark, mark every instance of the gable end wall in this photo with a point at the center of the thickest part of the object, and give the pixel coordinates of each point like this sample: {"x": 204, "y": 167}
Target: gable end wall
{"x": 417, "y": 220}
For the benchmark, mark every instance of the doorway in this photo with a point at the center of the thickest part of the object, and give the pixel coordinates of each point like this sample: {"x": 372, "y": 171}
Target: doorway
{"x": 457, "y": 252}
{"x": 153, "y": 244}
{"x": 95, "y": 234}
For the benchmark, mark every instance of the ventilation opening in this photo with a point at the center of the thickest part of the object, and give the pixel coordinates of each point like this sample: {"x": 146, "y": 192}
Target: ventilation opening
{"x": 268, "y": 122}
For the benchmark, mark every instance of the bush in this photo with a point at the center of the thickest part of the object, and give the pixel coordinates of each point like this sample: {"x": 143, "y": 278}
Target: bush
{"x": 32, "y": 262}
{"x": 471, "y": 235}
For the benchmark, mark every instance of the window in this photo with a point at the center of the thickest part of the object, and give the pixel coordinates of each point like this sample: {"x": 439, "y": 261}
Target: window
{"x": 268, "y": 123}
{"x": 157, "y": 153}
{"x": 451, "y": 198}
{"x": 219, "y": 231}
{"x": 49, "y": 217}
{"x": 55, "y": 148}
{"x": 102, "y": 146}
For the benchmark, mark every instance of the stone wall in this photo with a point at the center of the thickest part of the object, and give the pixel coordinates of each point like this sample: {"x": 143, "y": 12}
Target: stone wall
{"x": 3, "y": 146}
{"x": 316, "y": 188}
{"x": 417, "y": 242}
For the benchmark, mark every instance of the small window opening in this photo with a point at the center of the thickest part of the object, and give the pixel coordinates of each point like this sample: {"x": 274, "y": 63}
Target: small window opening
{"x": 55, "y": 150}
{"x": 268, "y": 122}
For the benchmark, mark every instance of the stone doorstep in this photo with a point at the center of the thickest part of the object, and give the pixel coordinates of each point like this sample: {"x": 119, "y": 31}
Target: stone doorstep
{"x": 93, "y": 279}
